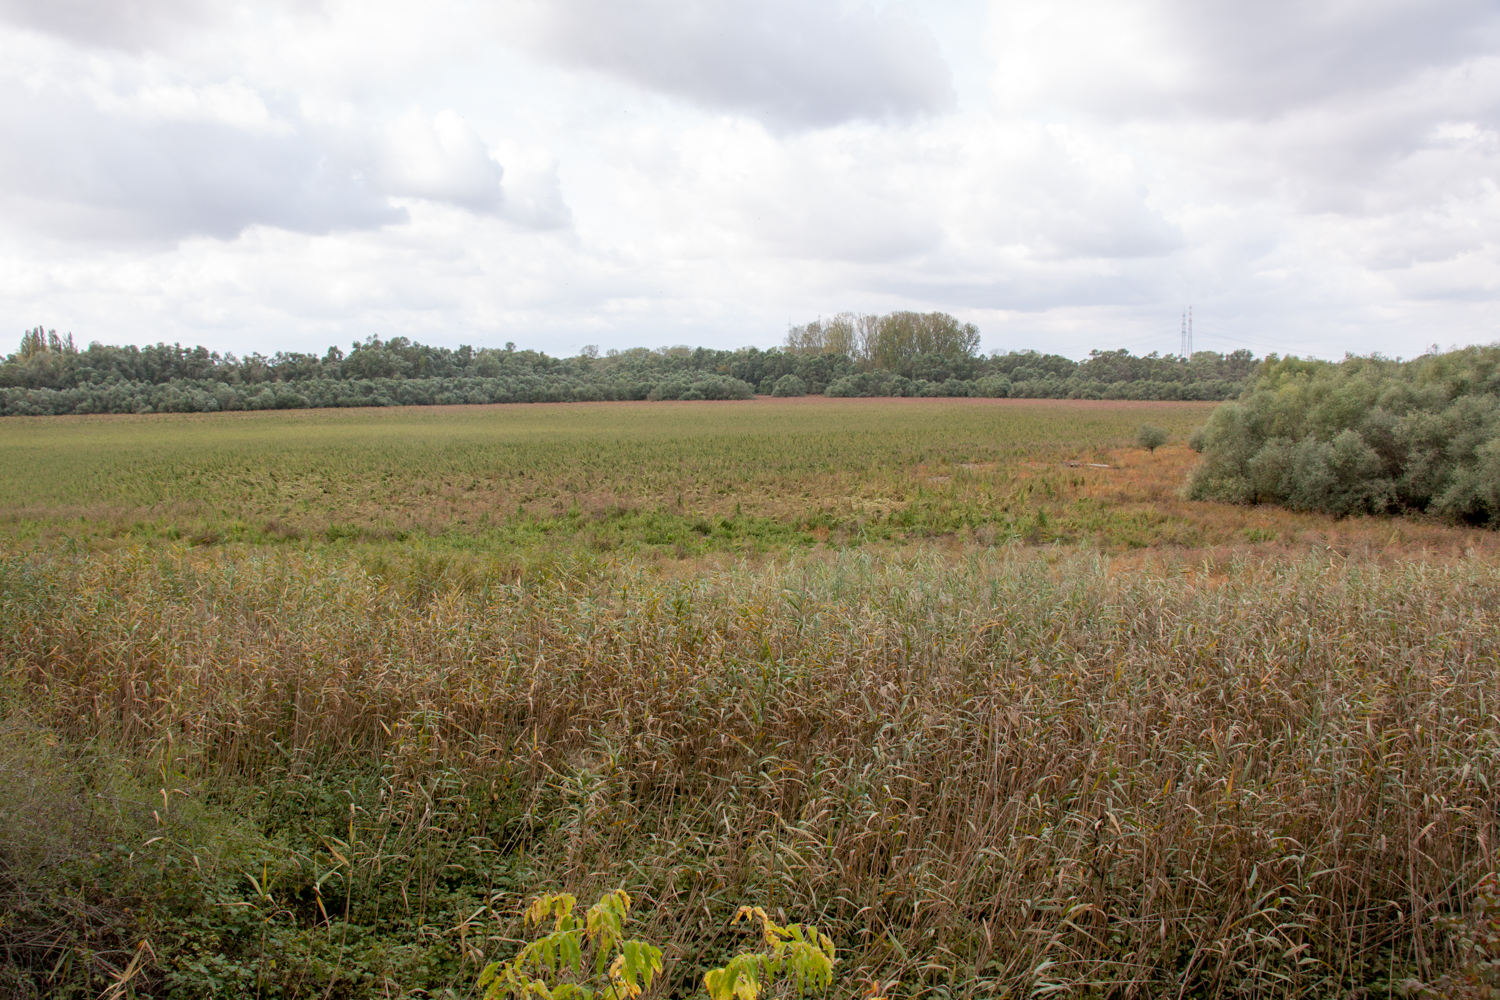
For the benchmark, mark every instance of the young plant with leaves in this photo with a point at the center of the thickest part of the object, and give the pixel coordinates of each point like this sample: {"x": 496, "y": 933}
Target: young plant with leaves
{"x": 794, "y": 952}
{"x": 553, "y": 967}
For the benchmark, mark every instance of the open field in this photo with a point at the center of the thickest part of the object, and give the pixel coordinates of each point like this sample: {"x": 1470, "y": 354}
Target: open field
{"x": 672, "y": 479}
{"x": 603, "y": 474}
{"x": 311, "y": 702}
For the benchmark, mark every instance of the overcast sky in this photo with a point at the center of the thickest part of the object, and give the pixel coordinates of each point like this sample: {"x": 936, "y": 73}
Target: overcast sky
{"x": 1313, "y": 177}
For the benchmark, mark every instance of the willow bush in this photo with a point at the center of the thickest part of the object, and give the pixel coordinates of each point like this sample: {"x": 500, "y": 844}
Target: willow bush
{"x": 1362, "y": 436}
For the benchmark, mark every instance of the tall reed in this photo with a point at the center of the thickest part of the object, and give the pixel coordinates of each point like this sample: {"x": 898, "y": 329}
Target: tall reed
{"x": 1004, "y": 771}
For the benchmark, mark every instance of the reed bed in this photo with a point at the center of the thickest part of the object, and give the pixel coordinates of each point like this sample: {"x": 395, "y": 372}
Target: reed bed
{"x": 986, "y": 771}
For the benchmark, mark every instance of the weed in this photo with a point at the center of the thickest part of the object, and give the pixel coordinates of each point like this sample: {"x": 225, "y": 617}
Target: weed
{"x": 622, "y": 969}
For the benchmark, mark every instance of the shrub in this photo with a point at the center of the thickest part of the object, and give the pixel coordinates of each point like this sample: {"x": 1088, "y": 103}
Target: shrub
{"x": 789, "y": 385}
{"x": 1364, "y": 435}
{"x": 1150, "y": 438}
{"x": 173, "y": 379}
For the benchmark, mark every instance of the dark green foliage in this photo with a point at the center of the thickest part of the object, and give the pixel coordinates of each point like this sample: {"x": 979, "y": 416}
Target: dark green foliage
{"x": 1360, "y": 436}
{"x": 316, "y": 882}
{"x": 49, "y": 375}
{"x": 789, "y": 385}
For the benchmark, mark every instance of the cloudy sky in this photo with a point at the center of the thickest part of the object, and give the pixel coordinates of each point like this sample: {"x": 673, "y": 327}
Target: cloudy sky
{"x": 1313, "y": 177}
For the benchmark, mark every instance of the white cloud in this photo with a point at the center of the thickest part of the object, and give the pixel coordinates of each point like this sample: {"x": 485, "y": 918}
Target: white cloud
{"x": 440, "y": 159}
{"x": 111, "y": 146}
{"x": 231, "y": 103}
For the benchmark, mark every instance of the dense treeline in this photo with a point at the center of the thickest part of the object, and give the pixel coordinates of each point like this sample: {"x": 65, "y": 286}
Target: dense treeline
{"x": 1363, "y": 435}
{"x": 902, "y": 354}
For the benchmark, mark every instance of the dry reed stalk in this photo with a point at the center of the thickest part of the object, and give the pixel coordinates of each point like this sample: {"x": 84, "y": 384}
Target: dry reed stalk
{"x": 1009, "y": 772}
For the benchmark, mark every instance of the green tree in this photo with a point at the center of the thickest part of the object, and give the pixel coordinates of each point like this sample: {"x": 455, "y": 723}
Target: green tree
{"x": 1150, "y": 438}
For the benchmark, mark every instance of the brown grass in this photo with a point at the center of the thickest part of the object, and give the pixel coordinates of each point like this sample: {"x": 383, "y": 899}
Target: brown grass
{"x": 1211, "y": 751}
{"x": 1003, "y": 772}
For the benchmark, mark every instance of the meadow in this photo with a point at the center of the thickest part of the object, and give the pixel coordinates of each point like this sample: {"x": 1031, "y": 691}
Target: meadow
{"x": 309, "y": 703}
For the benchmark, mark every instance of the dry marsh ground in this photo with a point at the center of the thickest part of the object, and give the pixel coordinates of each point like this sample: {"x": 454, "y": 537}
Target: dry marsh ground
{"x": 1003, "y": 725}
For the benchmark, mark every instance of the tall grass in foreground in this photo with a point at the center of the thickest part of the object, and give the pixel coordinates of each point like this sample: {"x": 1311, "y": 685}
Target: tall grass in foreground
{"x": 1005, "y": 773}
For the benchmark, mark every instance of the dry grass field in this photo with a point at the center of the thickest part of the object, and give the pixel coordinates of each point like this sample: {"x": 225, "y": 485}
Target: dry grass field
{"x": 308, "y": 704}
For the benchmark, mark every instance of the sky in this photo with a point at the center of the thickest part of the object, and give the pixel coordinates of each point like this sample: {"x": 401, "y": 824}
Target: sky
{"x": 1312, "y": 178}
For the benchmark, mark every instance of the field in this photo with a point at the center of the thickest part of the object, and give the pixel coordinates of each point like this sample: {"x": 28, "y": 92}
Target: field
{"x": 309, "y": 703}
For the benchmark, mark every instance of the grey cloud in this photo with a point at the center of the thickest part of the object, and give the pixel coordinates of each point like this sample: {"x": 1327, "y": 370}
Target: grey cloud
{"x": 72, "y": 172}
{"x": 121, "y": 24}
{"x": 797, "y": 63}
{"x": 69, "y": 170}
{"x": 534, "y": 200}
{"x": 1246, "y": 60}
{"x": 1268, "y": 57}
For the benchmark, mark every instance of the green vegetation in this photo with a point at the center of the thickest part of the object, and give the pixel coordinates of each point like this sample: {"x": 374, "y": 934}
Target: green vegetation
{"x": 553, "y": 967}
{"x": 908, "y": 355}
{"x": 1150, "y": 437}
{"x": 1364, "y": 435}
{"x": 609, "y": 480}
{"x": 887, "y": 342}
{"x": 795, "y": 953}
{"x": 623, "y": 969}
{"x": 312, "y": 704}
{"x": 789, "y": 385}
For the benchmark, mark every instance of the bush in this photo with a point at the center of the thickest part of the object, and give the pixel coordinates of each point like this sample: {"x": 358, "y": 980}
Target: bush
{"x": 789, "y": 385}
{"x": 1150, "y": 438}
{"x": 1362, "y": 436}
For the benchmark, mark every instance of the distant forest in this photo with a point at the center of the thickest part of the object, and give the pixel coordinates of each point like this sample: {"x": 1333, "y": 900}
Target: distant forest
{"x": 898, "y": 354}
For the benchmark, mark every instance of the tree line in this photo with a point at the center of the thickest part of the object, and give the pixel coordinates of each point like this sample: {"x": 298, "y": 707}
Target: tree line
{"x": 1362, "y": 436}
{"x": 900, "y": 354}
